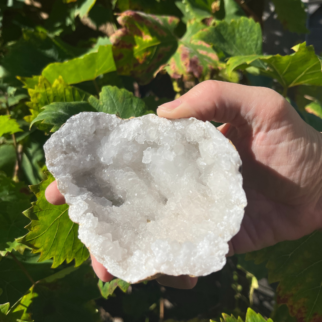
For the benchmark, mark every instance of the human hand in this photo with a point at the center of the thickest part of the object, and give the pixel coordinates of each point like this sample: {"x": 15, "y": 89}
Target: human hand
{"x": 281, "y": 154}
{"x": 282, "y": 164}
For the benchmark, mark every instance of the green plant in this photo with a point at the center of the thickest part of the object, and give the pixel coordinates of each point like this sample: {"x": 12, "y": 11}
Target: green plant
{"x": 62, "y": 57}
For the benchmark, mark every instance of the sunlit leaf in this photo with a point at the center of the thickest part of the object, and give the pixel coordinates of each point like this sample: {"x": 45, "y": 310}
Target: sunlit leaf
{"x": 8, "y": 125}
{"x": 301, "y": 68}
{"x": 251, "y": 316}
{"x": 84, "y": 6}
{"x": 235, "y": 38}
{"x": 144, "y": 44}
{"x": 42, "y": 93}
{"x": 292, "y": 14}
{"x": 57, "y": 114}
{"x": 118, "y": 101}
{"x": 297, "y": 266}
{"x": 51, "y": 232}
{"x": 29, "y": 55}
{"x": 195, "y": 58}
{"x": 87, "y": 67}
{"x": 107, "y": 289}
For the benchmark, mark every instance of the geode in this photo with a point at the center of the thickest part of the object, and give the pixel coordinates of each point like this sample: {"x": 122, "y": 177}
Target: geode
{"x": 150, "y": 195}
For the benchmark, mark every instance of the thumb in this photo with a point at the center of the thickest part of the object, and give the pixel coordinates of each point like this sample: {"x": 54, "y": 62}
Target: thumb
{"x": 221, "y": 102}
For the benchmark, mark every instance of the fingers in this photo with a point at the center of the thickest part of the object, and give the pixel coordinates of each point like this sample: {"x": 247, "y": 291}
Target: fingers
{"x": 183, "y": 282}
{"x": 101, "y": 271}
{"x": 53, "y": 195}
{"x": 221, "y": 102}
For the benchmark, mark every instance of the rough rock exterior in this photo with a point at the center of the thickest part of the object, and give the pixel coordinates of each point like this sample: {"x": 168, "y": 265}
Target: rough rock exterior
{"x": 150, "y": 195}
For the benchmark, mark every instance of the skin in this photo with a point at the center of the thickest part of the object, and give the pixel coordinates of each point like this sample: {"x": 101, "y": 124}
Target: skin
{"x": 282, "y": 164}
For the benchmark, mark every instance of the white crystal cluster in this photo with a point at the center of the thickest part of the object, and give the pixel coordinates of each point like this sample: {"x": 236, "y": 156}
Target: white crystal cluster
{"x": 150, "y": 195}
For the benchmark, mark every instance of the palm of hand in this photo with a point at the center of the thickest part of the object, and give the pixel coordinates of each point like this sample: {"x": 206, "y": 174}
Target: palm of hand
{"x": 281, "y": 160}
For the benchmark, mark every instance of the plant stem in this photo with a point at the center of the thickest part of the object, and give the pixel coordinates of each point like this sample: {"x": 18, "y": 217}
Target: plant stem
{"x": 22, "y": 268}
{"x": 18, "y": 150}
{"x": 285, "y": 92}
{"x": 96, "y": 87}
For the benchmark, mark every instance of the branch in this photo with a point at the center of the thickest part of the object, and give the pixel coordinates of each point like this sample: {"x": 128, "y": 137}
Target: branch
{"x": 249, "y": 11}
{"x": 18, "y": 150}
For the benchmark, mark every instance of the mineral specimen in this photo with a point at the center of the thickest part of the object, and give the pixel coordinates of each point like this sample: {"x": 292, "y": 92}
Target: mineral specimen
{"x": 150, "y": 195}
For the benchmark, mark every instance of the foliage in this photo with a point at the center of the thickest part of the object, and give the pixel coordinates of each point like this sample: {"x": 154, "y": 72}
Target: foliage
{"x": 51, "y": 232}
{"x": 125, "y": 57}
{"x": 295, "y": 265}
{"x": 251, "y": 316}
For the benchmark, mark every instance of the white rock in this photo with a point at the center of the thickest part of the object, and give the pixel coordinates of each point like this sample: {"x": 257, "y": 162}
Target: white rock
{"x": 150, "y": 195}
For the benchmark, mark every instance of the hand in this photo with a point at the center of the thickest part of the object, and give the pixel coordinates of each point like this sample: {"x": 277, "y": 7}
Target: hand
{"x": 282, "y": 164}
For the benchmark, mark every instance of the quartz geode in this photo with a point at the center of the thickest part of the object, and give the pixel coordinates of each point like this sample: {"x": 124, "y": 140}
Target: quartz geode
{"x": 150, "y": 195}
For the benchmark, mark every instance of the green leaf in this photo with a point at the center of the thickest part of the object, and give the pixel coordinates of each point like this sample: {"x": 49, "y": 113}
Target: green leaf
{"x": 84, "y": 68}
{"x": 29, "y": 55}
{"x": 309, "y": 99}
{"x": 8, "y": 126}
{"x": 56, "y": 114}
{"x": 198, "y": 9}
{"x": 10, "y": 96}
{"x": 19, "y": 273}
{"x": 84, "y": 7}
{"x": 14, "y": 199}
{"x": 195, "y": 58}
{"x": 107, "y": 289}
{"x": 301, "y": 68}
{"x": 67, "y": 299}
{"x": 118, "y": 101}
{"x": 292, "y": 15}
{"x": 233, "y": 10}
{"x": 236, "y": 38}
{"x": 144, "y": 44}
{"x": 33, "y": 158}
{"x": 7, "y": 159}
{"x": 251, "y": 316}
{"x": 42, "y": 93}
{"x": 51, "y": 232}
{"x": 297, "y": 266}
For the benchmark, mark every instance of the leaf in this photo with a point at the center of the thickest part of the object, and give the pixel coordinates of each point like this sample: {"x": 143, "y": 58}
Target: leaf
{"x": 301, "y": 68}
{"x": 51, "y": 232}
{"x": 57, "y": 114}
{"x": 198, "y": 9}
{"x": 10, "y": 96}
{"x": 144, "y": 44}
{"x": 309, "y": 98}
{"x": 33, "y": 158}
{"x": 29, "y": 55}
{"x": 232, "y": 10}
{"x": 7, "y": 159}
{"x": 259, "y": 271}
{"x": 235, "y": 38}
{"x": 84, "y": 68}
{"x": 107, "y": 289}
{"x": 118, "y": 101}
{"x": 42, "y": 93}
{"x": 297, "y": 266}
{"x": 67, "y": 299}
{"x": 15, "y": 281}
{"x": 251, "y": 316}
{"x": 14, "y": 199}
{"x": 8, "y": 126}
{"x": 194, "y": 58}
{"x": 292, "y": 15}
{"x": 84, "y": 7}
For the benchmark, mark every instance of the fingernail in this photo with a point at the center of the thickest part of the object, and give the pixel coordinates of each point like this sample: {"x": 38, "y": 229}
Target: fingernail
{"x": 171, "y": 105}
